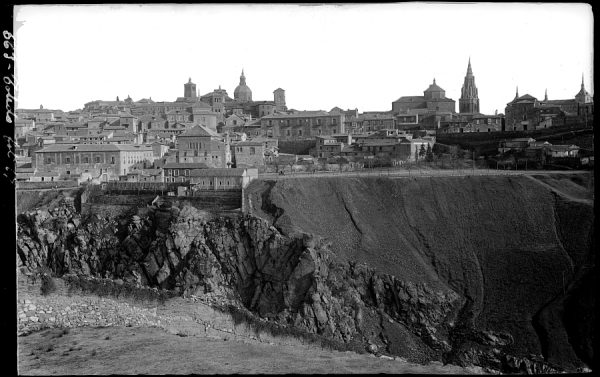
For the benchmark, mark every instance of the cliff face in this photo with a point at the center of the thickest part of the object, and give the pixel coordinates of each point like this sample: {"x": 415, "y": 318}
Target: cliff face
{"x": 512, "y": 247}
{"x": 463, "y": 270}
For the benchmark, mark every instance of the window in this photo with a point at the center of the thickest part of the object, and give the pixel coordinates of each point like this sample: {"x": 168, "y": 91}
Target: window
{"x": 252, "y": 150}
{"x": 299, "y": 132}
{"x": 48, "y": 160}
{"x": 68, "y": 160}
{"x": 176, "y": 172}
{"x": 86, "y": 160}
{"x": 187, "y": 172}
{"x": 97, "y": 159}
{"x": 287, "y": 132}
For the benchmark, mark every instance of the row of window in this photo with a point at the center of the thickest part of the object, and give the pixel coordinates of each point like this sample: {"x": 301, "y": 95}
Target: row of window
{"x": 85, "y": 160}
{"x": 241, "y": 149}
{"x": 300, "y": 121}
{"x": 299, "y": 132}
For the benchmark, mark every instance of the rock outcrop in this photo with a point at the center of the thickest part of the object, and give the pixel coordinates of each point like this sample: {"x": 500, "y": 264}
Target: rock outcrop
{"x": 423, "y": 303}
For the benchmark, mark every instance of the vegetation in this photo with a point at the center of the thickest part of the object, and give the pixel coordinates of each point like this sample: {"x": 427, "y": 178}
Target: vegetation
{"x": 48, "y": 284}
{"x": 106, "y": 287}
{"x": 243, "y": 316}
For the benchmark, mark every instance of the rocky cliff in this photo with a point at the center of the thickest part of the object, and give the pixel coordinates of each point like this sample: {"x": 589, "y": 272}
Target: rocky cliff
{"x": 483, "y": 271}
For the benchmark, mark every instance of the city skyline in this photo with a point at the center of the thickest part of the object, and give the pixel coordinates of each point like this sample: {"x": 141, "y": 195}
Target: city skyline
{"x": 134, "y": 55}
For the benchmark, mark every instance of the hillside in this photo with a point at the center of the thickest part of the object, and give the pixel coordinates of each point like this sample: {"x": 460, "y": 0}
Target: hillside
{"x": 501, "y": 242}
{"x": 489, "y": 271}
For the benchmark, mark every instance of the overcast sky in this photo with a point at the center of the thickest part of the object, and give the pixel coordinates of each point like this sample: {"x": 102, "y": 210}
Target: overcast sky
{"x": 353, "y": 56}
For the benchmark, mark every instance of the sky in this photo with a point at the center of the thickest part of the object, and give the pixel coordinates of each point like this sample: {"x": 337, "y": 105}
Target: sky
{"x": 361, "y": 56}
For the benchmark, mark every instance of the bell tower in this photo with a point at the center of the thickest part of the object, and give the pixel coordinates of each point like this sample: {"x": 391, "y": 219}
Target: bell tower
{"x": 469, "y": 99}
{"x": 189, "y": 89}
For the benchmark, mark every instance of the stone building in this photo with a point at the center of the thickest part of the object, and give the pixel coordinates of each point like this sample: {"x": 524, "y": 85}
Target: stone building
{"x": 242, "y": 102}
{"x": 222, "y": 179}
{"x": 433, "y": 99}
{"x": 201, "y": 144}
{"x": 526, "y": 113}
{"x": 248, "y": 153}
{"x": 302, "y": 125}
{"x": 101, "y": 161}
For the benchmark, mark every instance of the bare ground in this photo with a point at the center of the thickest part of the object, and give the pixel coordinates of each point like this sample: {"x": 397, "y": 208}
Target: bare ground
{"x": 148, "y": 350}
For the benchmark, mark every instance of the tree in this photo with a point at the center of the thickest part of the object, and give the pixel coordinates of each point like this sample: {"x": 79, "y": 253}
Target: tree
{"x": 422, "y": 151}
{"x": 429, "y": 153}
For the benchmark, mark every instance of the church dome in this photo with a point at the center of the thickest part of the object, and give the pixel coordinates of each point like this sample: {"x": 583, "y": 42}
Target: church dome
{"x": 242, "y": 92}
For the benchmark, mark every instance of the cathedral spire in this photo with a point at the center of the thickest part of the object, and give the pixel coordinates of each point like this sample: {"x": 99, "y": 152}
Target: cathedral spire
{"x": 469, "y": 99}
{"x": 517, "y": 95}
{"x": 582, "y": 86}
{"x": 546, "y": 95}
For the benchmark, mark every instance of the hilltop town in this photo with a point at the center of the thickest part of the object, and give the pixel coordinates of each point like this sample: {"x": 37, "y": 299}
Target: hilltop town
{"x": 243, "y": 220}
{"x": 217, "y": 142}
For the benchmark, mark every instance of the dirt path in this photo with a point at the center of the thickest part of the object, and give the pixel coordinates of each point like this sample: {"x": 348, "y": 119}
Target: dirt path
{"x": 146, "y": 350}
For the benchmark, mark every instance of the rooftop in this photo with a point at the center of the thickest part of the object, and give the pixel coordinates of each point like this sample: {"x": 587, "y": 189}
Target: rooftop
{"x": 218, "y": 172}
{"x": 185, "y": 165}
{"x": 199, "y": 131}
{"x": 95, "y": 148}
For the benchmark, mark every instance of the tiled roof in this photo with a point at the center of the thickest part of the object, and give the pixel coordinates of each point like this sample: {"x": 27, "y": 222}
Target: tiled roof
{"x": 184, "y": 165}
{"x": 94, "y": 148}
{"x": 218, "y": 172}
{"x": 300, "y": 114}
{"x": 249, "y": 143}
{"x": 410, "y": 99}
{"x": 199, "y": 131}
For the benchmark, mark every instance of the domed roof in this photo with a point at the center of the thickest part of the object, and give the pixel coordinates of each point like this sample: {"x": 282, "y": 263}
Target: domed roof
{"x": 242, "y": 92}
{"x": 434, "y": 88}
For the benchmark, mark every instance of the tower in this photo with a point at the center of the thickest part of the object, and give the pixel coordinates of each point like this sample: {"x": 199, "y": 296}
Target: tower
{"x": 469, "y": 100}
{"x": 279, "y": 99}
{"x": 583, "y": 96}
{"x": 189, "y": 89}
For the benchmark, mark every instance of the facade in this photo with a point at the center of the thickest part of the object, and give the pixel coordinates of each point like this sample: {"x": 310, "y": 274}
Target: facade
{"x": 23, "y": 127}
{"x": 222, "y": 179}
{"x": 202, "y": 145}
{"x": 302, "y": 125}
{"x": 527, "y": 113}
{"x": 248, "y": 153}
{"x": 472, "y": 123}
{"x": 101, "y": 161}
{"x": 469, "y": 99}
{"x": 180, "y": 172}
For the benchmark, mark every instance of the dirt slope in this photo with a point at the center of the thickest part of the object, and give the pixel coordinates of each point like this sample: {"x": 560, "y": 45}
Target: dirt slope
{"x": 501, "y": 242}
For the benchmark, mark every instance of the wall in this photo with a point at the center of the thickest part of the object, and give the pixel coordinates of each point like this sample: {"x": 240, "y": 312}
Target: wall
{"x": 23, "y": 185}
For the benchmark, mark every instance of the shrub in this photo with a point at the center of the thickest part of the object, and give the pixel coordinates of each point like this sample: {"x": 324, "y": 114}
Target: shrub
{"x": 48, "y": 284}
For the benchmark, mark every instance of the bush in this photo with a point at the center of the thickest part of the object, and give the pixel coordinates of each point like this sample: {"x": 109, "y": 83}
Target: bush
{"x": 48, "y": 284}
